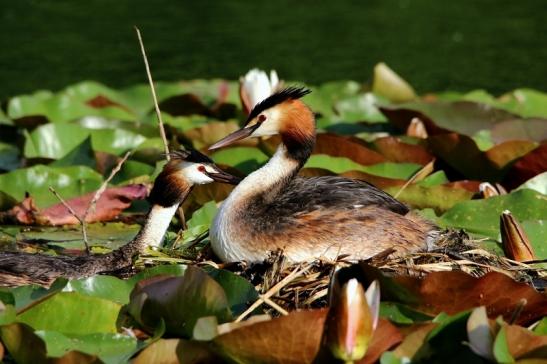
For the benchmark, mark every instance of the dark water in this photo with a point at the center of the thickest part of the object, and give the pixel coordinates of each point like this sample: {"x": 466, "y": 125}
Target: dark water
{"x": 436, "y": 45}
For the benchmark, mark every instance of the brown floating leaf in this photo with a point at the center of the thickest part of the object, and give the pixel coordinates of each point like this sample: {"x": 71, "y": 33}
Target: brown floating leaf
{"x": 397, "y": 151}
{"x": 456, "y": 291}
{"x": 101, "y": 101}
{"x": 175, "y": 351}
{"x": 523, "y": 343}
{"x": 349, "y": 147}
{"x": 295, "y": 338}
{"x": 186, "y": 104}
{"x": 506, "y": 152}
{"x": 520, "y": 129}
{"x": 469, "y": 185}
{"x": 385, "y": 336}
{"x": 464, "y": 117}
{"x": 516, "y": 244}
{"x": 462, "y": 153}
{"x": 111, "y": 203}
{"x": 18, "y": 339}
{"x": 402, "y": 117}
{"x": 527, "y": 167}
{"x": 414, "y": 339}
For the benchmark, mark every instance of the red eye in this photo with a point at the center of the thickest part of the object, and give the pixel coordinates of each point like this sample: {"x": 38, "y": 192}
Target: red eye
{"x": 261, "y": 118}
{"x": 201, "y": 168}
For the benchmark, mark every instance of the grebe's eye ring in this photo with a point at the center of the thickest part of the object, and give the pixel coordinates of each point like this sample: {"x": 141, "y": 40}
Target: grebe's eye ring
{"x": 201, "y": 168}
{"x": 261, "y": 118}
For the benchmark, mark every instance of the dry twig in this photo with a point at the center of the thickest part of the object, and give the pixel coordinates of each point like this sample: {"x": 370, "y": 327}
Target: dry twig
{"x": 156, "y": 106}
{"x": 93, "y": 202}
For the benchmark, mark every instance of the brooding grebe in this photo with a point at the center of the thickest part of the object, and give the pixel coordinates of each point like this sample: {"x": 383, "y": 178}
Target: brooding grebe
{"x": 307, "y": 218}
{"x": 171, "y": 187}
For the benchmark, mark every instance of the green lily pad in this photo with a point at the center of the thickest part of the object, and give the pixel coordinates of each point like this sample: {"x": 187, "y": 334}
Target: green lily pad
{"x": 239, "y": 291}
{"x": 179, "y": 301}
{"x": 74, "y": 102}
{"x": 81, "y": 314}
{"x": 361, "y": 107}
{"x": 342, "y": 164}
{"x": 537, "y": 183}
{"x": 81, "y": 155}
{"x": 438, "y": 197}
{"x": 501, "y": 349}
{"x": 204, "y": 215}
{"x": 525, "y": 102}
{"x": 110, "y": 348}
{"x": 482, "y": 216}
{"x": 57, "y": 140}
{"x": 67, "y": 181}
{"x": 245, "y": 159}
{"x": 106, "y": 287}
{"x": 325, "y": 96}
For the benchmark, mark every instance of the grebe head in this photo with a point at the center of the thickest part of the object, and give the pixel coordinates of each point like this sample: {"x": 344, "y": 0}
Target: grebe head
{"x": 197, "y": 168}
{"x": 185, "y": 169}
{"x": 281, "y": 113}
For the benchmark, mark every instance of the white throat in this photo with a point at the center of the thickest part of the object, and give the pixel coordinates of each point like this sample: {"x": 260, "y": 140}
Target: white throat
{"x": 278, "y": 168}
{"x": 156, "y": 225}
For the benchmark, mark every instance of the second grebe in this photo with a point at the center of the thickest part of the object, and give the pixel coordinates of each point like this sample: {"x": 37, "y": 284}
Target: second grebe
{"x": 171, "y": 187}
{"x": 307, "y": 218}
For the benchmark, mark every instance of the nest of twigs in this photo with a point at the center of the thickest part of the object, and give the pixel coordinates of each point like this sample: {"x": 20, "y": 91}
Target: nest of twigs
{"x": 284, "y": 286}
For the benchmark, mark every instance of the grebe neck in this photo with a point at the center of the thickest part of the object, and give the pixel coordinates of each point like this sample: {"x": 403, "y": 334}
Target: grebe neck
{"x": 157, "y": 222}
{"x": 267, "y": 181}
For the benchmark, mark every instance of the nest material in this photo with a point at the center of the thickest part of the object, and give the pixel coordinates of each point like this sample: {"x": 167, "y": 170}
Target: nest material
{"x": 455, "y": 251}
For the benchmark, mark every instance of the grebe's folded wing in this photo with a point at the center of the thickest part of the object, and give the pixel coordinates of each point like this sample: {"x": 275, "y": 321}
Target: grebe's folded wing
{"x": 338, "y": 192}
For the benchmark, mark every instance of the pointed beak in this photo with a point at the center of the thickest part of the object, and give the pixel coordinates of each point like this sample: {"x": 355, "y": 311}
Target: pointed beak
{"x": 223, "y": 177}
{"x": 235, "y": 136}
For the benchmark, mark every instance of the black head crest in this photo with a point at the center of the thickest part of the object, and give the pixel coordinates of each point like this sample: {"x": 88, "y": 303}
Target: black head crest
{"x": 190, "y": 155}
{"x": 289, "y": 93}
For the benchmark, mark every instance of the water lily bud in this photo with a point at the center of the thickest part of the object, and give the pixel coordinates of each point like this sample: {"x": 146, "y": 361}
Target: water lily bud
{"x": 488, "y": 190}
{"x": 255, "y": 86}
{"x": 516, "y": 244}
{"x": 351, "y": 322}
{"x": 481, "y": 334}
{"x": 416, "y": 129}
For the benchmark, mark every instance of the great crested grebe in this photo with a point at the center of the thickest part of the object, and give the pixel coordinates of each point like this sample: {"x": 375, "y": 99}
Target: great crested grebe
{"x": 307, "y": 218}
{"x": 171, "y": 187}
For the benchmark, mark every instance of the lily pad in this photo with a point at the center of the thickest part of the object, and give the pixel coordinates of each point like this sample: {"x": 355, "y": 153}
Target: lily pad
{"x": 482, "y": 216}
{"x": 81, "y": 314}
{"x": 110, "y": 348}
{"x": 179, "y": 301}
{"x": 67, "y": 181}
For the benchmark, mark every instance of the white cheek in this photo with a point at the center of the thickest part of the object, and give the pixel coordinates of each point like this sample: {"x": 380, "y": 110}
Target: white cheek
{"x": 270, "y": 126}
{"x": 194, "y": 175}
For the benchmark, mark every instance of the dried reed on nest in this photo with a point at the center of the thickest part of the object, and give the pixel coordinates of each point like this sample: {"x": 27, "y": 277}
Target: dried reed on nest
{"x": 309, "y": 289}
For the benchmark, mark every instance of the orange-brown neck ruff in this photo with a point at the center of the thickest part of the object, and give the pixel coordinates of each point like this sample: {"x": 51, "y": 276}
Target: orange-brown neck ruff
{"x": 170, "y": 188}
{"x": 297, "y": 130}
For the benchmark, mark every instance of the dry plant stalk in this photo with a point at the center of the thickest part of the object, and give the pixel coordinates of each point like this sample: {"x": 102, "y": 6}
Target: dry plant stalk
{"x": 418, "y": 176}
{"x": 156, "y": 106}
{"x": 180, "y": 211}
{"x": 93, "y": 202}
{"x": 73, "y": 213}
